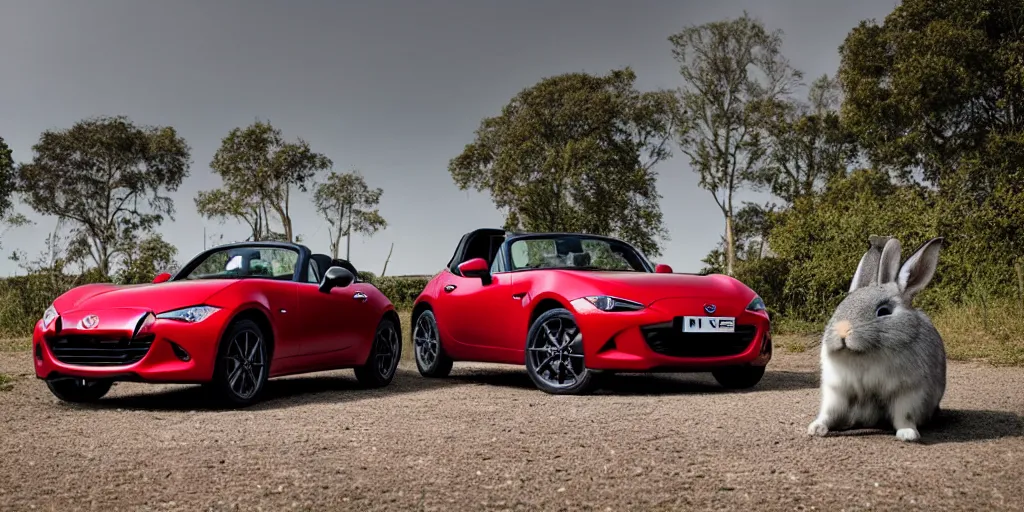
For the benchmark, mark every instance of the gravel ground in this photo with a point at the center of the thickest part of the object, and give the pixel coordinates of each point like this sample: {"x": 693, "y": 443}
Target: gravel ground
{"x": 486, "y": 440}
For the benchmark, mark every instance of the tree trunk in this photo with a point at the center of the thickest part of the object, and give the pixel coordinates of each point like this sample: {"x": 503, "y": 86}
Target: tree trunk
{"x": 348, "y": 237}
{"x": 385, "y": 269}
{"x": 335, "y": 242}
{"x": 730, "y": 246}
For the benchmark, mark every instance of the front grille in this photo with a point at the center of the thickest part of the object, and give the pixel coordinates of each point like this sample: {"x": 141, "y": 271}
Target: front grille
{"x": 670, "y": 340}
{"x": 84, "y": 350}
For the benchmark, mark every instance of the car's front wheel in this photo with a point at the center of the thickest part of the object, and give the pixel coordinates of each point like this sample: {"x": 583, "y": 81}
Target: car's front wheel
{"x": 79, "y": 390}
{"x": 554, "y": 355}
{"x": 381, "y": 364}
{"x": 431, "y": 359}
{"x": 242, "y": 365}
{"x": 739, "y": 377}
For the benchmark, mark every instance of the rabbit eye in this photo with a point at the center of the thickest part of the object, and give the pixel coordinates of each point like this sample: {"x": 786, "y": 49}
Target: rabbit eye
{"x": 883, "y": 310}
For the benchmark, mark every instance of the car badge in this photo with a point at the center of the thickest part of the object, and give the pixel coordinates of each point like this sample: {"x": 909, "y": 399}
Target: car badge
{"x": 90, "y": 321}
{"x": 710, "y": 309}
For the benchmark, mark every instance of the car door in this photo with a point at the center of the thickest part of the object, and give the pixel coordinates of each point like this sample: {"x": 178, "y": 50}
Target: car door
{"x": 282, "y": 302}
{"x": 472, "y": 311}
{"x": 327, "y": 320}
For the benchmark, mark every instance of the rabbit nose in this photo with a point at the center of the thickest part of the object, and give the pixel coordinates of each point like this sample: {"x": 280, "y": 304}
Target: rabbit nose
{"x": 842, "y": 329}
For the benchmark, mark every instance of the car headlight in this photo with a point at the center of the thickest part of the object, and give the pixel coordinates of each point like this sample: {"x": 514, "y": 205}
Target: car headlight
{"x": 606, "y": 303}
{"x": 49, "y": 316}
{"x": 191, "y": 314}
{"x": 756, "y": 305}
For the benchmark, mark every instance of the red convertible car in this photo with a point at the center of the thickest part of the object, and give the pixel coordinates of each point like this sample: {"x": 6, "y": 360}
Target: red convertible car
{"x": 231, "y": 318}
{"x": 570, "y": 306}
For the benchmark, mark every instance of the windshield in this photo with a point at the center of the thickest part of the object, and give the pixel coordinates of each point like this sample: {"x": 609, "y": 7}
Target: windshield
{"x": 575, "y": 252}
{"x": 246, "y": 262}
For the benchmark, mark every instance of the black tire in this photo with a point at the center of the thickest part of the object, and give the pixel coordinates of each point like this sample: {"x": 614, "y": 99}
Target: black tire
{"x": 739, "y": 377}
{"x": 237, "y": 384}
{"x": 79, "y": 391}
{"x": 431, "y": 359}
{"x": 385, "y": 353}
{"x": 547, "y": 364}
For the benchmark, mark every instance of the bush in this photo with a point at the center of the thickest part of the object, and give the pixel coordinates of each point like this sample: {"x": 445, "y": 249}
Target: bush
{"x": 402, "y": 290}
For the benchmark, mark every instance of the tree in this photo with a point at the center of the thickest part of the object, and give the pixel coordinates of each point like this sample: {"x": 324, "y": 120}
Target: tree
{"x": 259, "y": 170}
{"x": 731, "y": 70}
{"x": 806, "y": 144}
{"x": 146, "y": 258}
{"x": 349, "y": 206}
{"x": 8, "y": 181}
{"x": 109, "y": 177}
{"x": 935, "y": 82}
{"x": 575, "y": 152}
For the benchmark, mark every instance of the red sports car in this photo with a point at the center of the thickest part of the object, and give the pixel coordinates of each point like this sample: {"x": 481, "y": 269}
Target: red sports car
{"x": 231, "y": 318}
{"x": 573, "y": 305}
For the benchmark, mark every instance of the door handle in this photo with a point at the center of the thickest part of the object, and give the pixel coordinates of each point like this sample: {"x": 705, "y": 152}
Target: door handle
{"x": 360, "y": 296}
{"x": 449, "y": 288}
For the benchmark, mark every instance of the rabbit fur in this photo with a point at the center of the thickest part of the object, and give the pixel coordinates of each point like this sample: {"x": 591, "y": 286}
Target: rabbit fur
{"x": 882, "y": 360}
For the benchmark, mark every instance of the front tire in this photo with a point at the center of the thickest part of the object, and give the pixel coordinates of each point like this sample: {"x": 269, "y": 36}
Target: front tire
{"x": 242, "y": 365}
{"x": 79, "y": 391}
{"x": 554, "y": 355}
{"x": 382, "y": 363}
{"x": 739, "y": 377}
{"x": 431, "y": 359}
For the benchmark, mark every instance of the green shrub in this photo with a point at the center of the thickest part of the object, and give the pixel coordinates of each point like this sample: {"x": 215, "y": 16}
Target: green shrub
{"x": 402, "y": 290}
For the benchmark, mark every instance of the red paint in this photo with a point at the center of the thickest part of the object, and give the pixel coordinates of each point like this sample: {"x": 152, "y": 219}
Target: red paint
{"x": 486, "y": 319}
{"x": 312, "y": 331}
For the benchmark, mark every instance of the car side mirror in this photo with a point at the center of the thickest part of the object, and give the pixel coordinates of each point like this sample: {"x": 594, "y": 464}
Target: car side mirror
{"x": 160, "y": 278}
{"x": 662, "y": 268}
{"x": 336, "y": 277}
{"x": 476, "y": 267}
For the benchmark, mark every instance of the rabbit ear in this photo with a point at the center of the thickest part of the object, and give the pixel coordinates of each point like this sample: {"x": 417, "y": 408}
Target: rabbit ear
{"x": 889, "y": 267}
{"x": 917, "y": 272}
{"x": 867, "y": 269}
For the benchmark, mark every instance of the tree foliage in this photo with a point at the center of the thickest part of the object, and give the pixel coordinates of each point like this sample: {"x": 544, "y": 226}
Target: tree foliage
{"x": 259, "y": 171}
{"x": 7, "y": 179}
{"x": 146, "y": 258}
{"x": 109, "y": 177}
{"x": 733, "y": 71}
{"x": 575, "y": 152}
{"x": 348, "y": 206}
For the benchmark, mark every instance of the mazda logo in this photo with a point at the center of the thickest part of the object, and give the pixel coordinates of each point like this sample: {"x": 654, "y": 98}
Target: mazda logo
{"x": 90, "y": 321}
{"x": 710, "y": 309}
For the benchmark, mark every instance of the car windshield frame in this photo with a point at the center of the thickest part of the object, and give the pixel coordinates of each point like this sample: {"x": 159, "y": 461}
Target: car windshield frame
{"x": 241, "y": 258}
{"x": 623, "y": 250}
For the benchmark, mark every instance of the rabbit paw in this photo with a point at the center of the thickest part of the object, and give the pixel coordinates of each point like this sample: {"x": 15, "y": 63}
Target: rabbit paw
{"x": 908, "y": 434}
{"x": 817, "y": 428}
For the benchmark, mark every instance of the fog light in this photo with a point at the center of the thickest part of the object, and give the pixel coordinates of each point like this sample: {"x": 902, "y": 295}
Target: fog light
{"x": 179, "y": 352}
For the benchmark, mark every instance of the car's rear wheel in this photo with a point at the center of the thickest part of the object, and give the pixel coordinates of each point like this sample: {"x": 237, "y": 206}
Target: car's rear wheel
{"x": 738, "y": 377}
{"x": 79, "y": 390}
{"x": 242, "y": 365}
{"x": 554, "y": 355}
{"x": 382, "y": 362}
{"x": 431, "y": 360}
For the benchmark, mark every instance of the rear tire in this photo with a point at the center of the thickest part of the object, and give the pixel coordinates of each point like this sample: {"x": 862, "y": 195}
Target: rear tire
{"x": 79, "y": 391}
{"x": 554, "y": 352}
{"x": 431, "y": 359}
{"x": 382, "y": 363}
{"x": 243, "y": 365}
{"x": 738, "y": 377}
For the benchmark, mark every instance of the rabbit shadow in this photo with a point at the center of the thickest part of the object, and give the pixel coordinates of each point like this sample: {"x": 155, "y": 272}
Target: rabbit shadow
{"x": 957, "y": 426}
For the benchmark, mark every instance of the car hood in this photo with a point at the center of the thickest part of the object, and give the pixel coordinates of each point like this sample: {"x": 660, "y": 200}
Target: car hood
{"x": 155, "y": 297}
{"x": 647, "y": 288}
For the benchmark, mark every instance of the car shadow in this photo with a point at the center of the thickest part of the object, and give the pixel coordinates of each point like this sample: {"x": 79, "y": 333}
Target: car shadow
{"x": 956, "y": 426}
{"x": 284, "y": 392}
{"x": 646, "y": 383}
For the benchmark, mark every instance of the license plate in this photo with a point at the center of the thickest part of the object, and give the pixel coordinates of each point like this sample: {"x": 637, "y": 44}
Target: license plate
{"x": 709, "y": 324}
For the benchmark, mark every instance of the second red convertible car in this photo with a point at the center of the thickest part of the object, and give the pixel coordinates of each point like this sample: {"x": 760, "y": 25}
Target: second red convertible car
{"x": 231, "y": 318}
{"x": 571, "y": 305}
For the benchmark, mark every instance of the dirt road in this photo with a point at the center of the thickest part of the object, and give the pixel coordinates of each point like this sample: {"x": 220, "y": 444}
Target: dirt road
{"x": 486, "y": 440}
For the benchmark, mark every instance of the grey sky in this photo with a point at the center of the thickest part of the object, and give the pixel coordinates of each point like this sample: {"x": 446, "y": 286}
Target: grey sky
{"x": 392, "y": 88}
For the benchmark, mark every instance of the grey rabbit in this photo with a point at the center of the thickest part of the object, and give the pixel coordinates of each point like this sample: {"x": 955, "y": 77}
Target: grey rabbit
{"x": 882, "y": 360}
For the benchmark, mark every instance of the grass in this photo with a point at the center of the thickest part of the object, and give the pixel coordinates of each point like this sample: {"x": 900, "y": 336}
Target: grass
{"x": 15, "y": 344}
{"x": 6, "y": 382}
{"x": 405, "y": 317}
